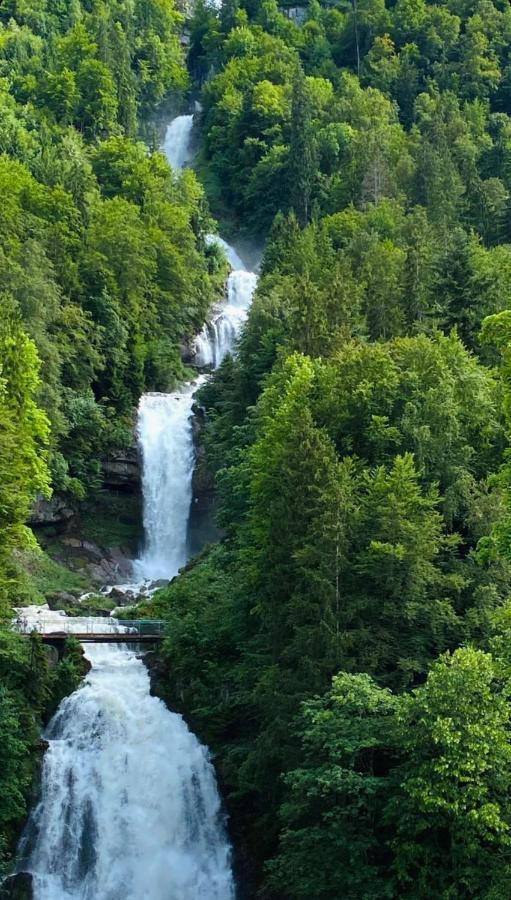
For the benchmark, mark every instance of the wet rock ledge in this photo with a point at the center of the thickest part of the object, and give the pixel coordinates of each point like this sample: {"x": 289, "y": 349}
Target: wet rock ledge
{"x": 17, "y": 887}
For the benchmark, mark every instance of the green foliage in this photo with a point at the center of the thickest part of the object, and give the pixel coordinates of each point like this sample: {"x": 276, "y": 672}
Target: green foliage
{"x": 40, "y": 575}
{"x": 15, "y": 747}
{"x": 357, "y": 441}
{"x": 103, "y": 273}
{"x": 340, "y": 552}
{"x": 23, "y": 442}
{"x": 334, "y": 837}
{"x": 30, "y": 690}
{"x": 452, "y": 810}
{"x": 401, "y": 796}
{"x": 102, "y": 245}
{"x": 67, "y": 674}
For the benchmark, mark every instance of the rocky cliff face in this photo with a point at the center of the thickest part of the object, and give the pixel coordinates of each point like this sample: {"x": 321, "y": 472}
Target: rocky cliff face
{"x": 56, "y": 511}
{"x": 121, "y": 471}
{"x": 101, "y": 565}
{"x": 96, "y": 540}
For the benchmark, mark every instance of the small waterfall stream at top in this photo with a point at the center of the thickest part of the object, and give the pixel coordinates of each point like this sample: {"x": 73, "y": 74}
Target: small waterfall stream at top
{"x": 176, "y": 145}
{"x": 129, "y": 808}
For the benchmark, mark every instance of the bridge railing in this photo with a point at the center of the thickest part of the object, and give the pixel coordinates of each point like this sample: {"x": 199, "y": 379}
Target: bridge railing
{"x": 68, "y": 625}
{"x": 144, "y": 626}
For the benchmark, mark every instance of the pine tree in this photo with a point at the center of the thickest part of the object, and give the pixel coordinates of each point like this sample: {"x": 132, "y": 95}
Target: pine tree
{"x": 302, "y": 163}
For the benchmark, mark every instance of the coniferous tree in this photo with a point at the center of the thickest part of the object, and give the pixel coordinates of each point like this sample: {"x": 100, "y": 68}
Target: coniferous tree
{"x": 302, "y": 163}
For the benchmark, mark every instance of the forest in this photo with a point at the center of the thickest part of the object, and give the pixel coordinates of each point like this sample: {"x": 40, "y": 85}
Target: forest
{"x": 104, "y": 271}
{"x": 344, "y": 648}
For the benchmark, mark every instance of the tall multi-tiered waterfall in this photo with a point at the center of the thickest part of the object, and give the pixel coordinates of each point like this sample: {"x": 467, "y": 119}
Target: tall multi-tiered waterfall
{"x": 165, "y": 421}
{"x": 129, "y": 808}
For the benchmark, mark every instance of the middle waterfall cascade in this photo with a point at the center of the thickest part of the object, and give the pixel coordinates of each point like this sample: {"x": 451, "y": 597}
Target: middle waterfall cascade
{"x": 219, "y": 336}
{"x": 165, "y": 436}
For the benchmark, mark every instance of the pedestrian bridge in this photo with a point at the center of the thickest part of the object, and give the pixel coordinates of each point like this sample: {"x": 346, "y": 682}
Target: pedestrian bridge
{"x": 97, "y": 630}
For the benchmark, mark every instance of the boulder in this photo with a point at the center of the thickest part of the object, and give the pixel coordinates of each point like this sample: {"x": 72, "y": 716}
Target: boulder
{"x": 155, "y": 585}
{"x": 61, "y": 600}
{"x": 102, "y": 573}
{"x": 120, "y": 597}
{"x": 89, "y": 549}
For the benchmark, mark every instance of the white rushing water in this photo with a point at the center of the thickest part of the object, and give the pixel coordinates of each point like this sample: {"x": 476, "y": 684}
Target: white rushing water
{"x": 218, "y": 336}
{"x": 166, "y": 441}
{"x": 129, "y": 808}
{"x": 176, "y": 145}
{"x": 165, "y": 436}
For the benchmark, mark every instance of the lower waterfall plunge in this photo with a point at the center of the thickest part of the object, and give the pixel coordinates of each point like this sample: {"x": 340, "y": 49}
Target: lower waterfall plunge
{"x": 129, "y": 808}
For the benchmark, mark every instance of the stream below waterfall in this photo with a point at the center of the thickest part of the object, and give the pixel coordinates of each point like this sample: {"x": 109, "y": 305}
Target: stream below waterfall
{"x": 129, "y": 808}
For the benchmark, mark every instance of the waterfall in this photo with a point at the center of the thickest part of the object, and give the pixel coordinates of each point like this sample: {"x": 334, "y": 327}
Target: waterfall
{"x": 166, "y": 441}
{"x": 176, "y": 145}
{"x": 129, "y": 808}
{"x": 219, "y": 335}
{"x": 165, "y": 436}
{"x": 165, "y": 421}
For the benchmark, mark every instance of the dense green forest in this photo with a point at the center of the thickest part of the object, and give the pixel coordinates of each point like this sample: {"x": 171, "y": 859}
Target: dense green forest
{"x": 344, "y": 650}
{"x": 103, "y": 273}
{"x": 102, "y": 247}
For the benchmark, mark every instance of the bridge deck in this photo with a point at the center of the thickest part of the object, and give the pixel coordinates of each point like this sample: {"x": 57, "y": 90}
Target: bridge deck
{"x": 105, "y": 638}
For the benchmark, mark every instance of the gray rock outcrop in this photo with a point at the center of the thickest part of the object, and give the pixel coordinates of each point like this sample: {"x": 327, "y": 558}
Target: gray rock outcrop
{"x": 55, "y": 511}
{"x": 121, "y": 470}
